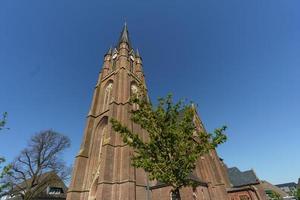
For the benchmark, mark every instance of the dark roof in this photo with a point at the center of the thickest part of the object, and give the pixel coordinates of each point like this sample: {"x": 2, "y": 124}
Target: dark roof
{"x": 239, "y": 179}
{"x": 51, "y": 179}
{"x": 291, "y": 184}
{"x": 192, "y": 177}
{"x": 269, "y": 187}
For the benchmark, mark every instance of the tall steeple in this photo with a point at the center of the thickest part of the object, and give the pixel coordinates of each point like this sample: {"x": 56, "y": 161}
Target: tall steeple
{"x": 102, "y": 169}
{"x": 109, "y": 51}
{"x": 124, "y": 37}
{"x": 137, "y": 53}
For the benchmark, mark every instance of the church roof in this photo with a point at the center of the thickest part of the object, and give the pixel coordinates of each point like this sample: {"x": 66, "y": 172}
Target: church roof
{"x": 192, "y": 177}
{"x": 239, "y": 178}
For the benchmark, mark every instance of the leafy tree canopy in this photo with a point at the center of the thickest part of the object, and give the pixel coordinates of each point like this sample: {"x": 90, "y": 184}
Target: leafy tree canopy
{"x": 297, "y": 193}
{"x": 174, "y": 141}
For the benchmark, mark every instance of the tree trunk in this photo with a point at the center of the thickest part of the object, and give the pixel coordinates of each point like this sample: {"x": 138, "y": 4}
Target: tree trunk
{"x": 175, "y": 194}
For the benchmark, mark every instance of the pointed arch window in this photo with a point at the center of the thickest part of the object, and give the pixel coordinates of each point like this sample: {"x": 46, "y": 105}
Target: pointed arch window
{"x": 131, "y": 61}
{"x": 114, "y": 60}
{"x": 134, "y": 92}
{"x": 93, "y": 190}
{"x": 103, "y": 135}
{"x": 98, "y": 139}
{"x": 107, "y": 95}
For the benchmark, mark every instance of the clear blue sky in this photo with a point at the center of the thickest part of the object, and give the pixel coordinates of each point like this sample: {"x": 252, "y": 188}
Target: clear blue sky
{"x": 238, "y": 60}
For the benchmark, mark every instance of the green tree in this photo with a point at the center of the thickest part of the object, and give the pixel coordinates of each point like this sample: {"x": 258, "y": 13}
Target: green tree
{"x": 297, "y": 193}
{"x": 3, "y": 121}
{"x": 4, "y": 170}
{"x": 174, "y": 141}
{"x": 273, "y": 195}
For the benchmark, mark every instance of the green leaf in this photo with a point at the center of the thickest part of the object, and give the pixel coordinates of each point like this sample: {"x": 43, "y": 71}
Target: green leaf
{"x": 175, "y": 139}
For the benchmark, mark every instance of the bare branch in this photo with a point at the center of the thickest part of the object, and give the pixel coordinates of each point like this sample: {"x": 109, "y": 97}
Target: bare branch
{"x": 41, "y": 156}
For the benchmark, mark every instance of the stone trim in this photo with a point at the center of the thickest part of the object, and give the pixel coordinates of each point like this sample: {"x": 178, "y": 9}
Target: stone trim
{"x": 82, "y": 156}
{"x": 77, "y": 191}
{"x": 115, "y": 146}
{"x": 116, "y": 182}
{"x": 244, "y": 188}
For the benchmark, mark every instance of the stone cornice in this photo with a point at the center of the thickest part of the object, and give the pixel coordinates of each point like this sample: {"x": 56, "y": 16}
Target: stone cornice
{"x": 116, "y": 182}
{"x": 78, "y": 191}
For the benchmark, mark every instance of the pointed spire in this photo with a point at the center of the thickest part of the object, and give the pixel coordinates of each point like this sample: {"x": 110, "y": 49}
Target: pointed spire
{"x": 137, "y": 53}
{"x": 109, "y": 52}
{"x": 124, "y": 37}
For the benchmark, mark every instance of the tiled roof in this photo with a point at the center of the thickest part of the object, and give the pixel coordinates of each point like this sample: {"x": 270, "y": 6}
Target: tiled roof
{"x": 292, "y": 184}
{"x": 268, "y": 186}
{"x": 192, "y": 177}
{"x": 52, "y": 180}
{"x": 238, "y": 178}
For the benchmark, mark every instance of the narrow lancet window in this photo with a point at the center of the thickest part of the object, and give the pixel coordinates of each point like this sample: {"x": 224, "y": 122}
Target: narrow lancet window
{"x": 107, "y": 95}
{"x": 131, "y": 61}
{"x": 134, "y": 93}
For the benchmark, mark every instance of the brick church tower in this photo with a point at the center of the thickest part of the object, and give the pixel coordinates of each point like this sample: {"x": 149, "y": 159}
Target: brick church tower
{"x": 102, "y": 169}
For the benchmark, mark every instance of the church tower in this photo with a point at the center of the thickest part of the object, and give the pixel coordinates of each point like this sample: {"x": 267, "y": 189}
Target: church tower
{"x": 102, "y": 169}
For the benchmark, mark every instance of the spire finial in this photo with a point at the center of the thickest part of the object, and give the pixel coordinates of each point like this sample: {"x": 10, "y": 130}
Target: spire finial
{"x": 109, "y": 52}
{"x": 124, "y": 37}
{"x": 137, "y": 53}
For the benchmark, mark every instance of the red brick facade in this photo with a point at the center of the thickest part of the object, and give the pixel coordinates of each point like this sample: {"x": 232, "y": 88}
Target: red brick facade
{"x": 253, "y": 192}
{"x": 102, "y": 169}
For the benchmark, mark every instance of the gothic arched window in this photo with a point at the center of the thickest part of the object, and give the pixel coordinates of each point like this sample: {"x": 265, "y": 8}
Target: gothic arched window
{"x": 134, "y": 92}
{"x": 98, "y": 138}
{"x": 93, "y": 190}
{"x": 131, "y": 62}
{"x": 134, "y": 89}
{"x": 107, "y": 95}
{"x": 102, "y": 135}
{"x": 114, "y": 60}
{"x": 131, "y": 66}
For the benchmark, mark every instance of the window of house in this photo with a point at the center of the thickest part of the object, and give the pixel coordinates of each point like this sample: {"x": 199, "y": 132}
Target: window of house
{"x": 55, "y": 190}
